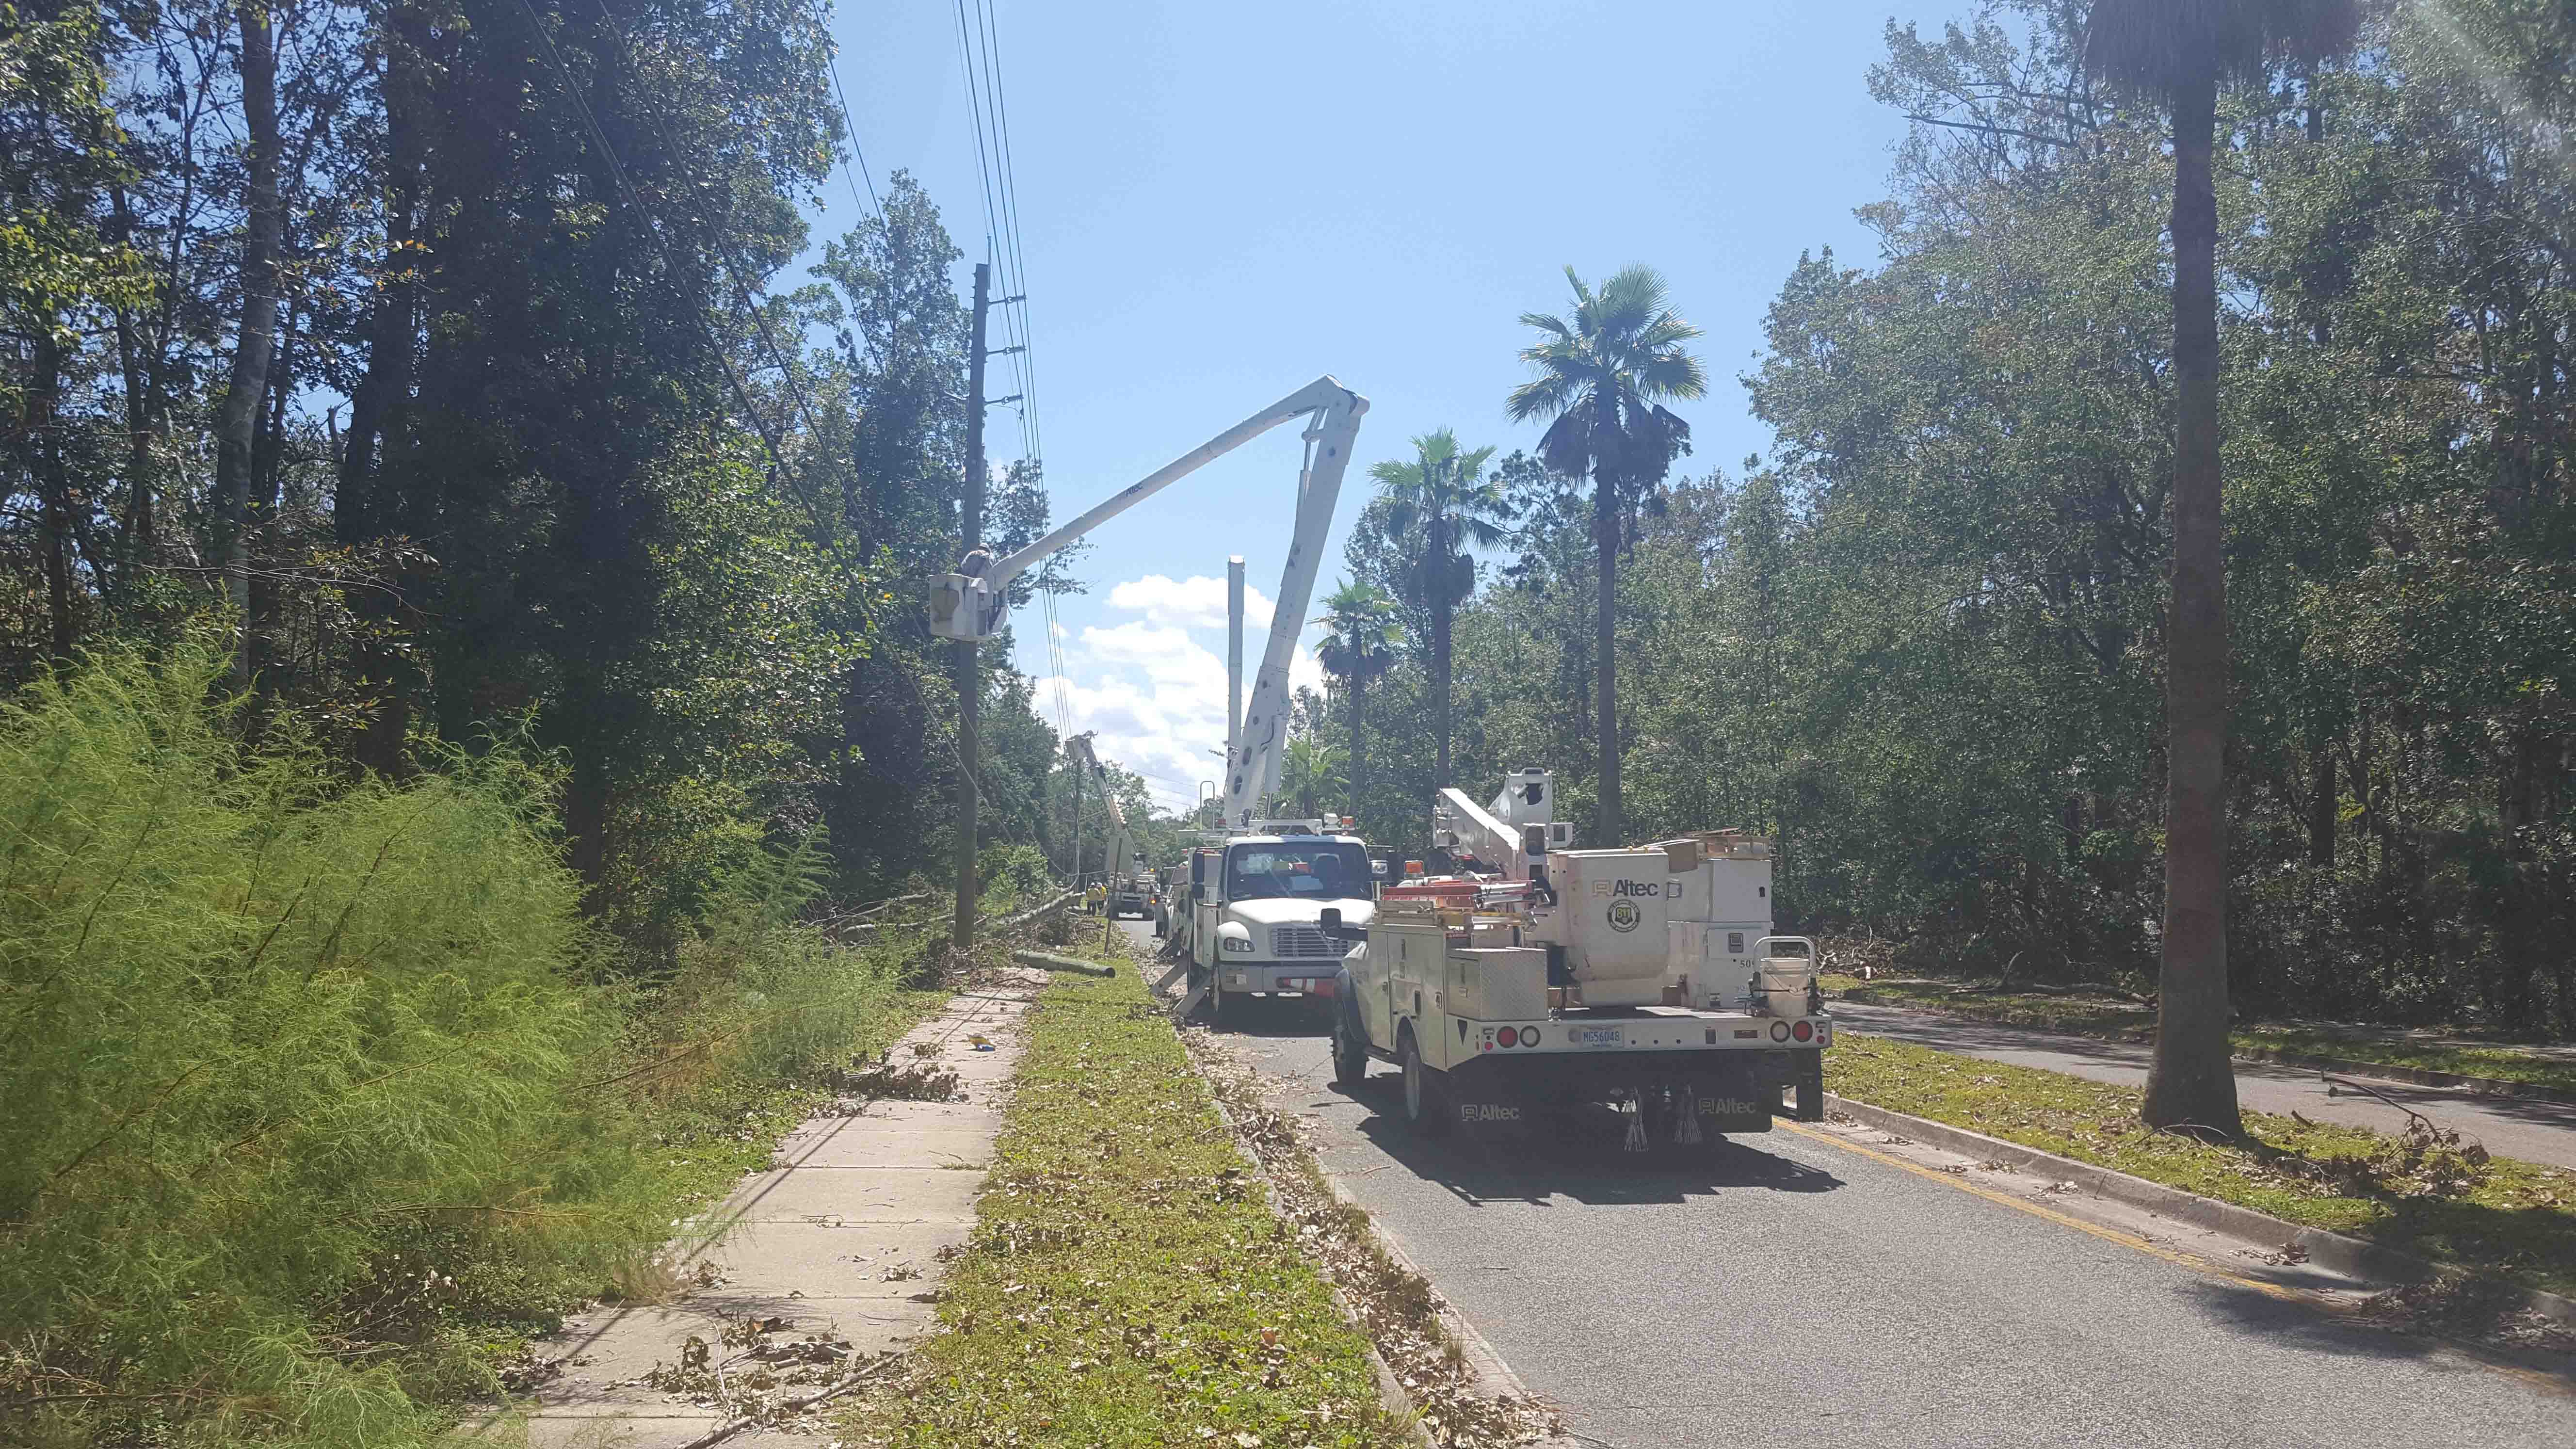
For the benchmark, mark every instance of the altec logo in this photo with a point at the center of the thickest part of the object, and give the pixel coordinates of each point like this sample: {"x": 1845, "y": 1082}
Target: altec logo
{"x": 1605, "y": 889}
{"x": 1487, "y": 1112}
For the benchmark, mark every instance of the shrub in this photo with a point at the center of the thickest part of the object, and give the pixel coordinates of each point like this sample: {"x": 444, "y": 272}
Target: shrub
{"x": 262, "y": 1028}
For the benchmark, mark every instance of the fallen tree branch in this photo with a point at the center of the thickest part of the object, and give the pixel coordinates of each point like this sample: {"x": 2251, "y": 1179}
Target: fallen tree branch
{"x": 726, "y": 1431}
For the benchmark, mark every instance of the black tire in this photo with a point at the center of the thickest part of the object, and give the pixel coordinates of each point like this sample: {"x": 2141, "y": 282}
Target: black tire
{"x": 1219, "y": 1012}
{"x": 1350, "y": 1048}
{"x": 1426, "y": 1092}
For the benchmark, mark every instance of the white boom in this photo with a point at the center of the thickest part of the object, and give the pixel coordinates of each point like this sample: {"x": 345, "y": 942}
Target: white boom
{"x": 968, "y": 604}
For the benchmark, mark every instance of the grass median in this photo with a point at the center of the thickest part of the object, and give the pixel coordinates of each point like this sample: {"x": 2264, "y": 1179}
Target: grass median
{"x": 1127, "y": 1282}
{"x": 2115, "y": 1019}
{"x": 2513, "y": 1219}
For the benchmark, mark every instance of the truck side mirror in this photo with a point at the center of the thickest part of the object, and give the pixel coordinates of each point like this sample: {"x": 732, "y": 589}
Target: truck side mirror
{"x": 1198, "y": 870}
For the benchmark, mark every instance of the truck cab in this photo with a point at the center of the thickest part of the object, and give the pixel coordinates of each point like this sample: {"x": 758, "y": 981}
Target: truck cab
{"x": 1256, "y": 907}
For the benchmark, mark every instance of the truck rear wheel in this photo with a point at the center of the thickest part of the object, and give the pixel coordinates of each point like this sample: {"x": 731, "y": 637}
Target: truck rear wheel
{"x": 1426, "y": 1092}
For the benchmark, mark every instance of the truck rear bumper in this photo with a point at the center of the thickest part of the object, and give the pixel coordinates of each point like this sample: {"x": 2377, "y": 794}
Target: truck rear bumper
{"x": 1732, "y": 1091}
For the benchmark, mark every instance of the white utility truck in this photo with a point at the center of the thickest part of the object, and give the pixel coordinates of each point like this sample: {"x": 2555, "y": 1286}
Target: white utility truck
{"x": 1540, "y": 977}
{"x": 972, "y": 602}
{"x": 1254, "y": 924}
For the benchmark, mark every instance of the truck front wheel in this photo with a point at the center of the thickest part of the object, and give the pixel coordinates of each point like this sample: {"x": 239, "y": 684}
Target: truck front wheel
{"x": 1426, "y": 1093}
{"x": 1350, "y": 1049}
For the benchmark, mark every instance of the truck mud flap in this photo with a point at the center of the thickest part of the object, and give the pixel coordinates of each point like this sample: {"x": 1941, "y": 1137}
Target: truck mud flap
{"x": 1806, "y": 1088}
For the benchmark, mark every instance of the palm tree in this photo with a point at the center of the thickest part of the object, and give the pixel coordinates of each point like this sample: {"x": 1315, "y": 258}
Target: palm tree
{"x": 1359, "y": 644}
{"x": 1311, "y": 766}
{"x": 1600, "y": 376}
{"x": 1443, "y": 500}
{"x": 2180, "y": 51}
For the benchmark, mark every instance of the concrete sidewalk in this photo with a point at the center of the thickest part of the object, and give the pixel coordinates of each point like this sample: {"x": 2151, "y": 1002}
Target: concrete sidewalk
{"x": 839, "y": 1243}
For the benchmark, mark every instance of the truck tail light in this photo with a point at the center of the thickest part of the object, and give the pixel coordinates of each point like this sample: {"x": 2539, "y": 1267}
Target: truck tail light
{"x": 1529, "y": 1036}
{"x": 1779, "y": 1031}
{"x": 1508, "y": 1037}
{"x": 1803, "y": 1031}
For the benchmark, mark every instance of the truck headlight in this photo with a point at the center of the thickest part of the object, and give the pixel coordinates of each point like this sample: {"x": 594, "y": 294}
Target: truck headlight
{"x": 1237, "y": 943}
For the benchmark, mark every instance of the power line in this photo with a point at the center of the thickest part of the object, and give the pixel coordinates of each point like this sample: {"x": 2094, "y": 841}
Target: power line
{"x": 850, "y": 128}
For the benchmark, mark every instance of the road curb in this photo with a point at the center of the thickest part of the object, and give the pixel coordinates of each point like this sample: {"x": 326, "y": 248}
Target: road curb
{"x": 2332, "y": 1251}
{"x": 2340, "y": 1066}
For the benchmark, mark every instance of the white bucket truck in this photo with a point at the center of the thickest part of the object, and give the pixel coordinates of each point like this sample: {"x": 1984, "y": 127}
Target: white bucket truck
{"x": 1540, "y": 977}
{"x": 1256, "y": 910}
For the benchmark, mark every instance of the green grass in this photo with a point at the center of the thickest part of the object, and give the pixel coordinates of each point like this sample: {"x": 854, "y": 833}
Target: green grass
{"x": 2111, "y": 1017}
{"x": 2518, "y": 1222}
{"x": 1127, "y": 1283}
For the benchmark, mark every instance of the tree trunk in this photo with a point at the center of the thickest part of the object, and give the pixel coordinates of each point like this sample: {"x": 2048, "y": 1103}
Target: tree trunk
{"x": 2192, "y": 1081}
{"x": 237, "y": 421}
{"x": 136, "y": 552}
{"x": 2325, "y": 807}
{"x": 1359, "y": 759}
{"x": 1441, "y": 605}
{"x": 1608, "y": 818}
{"x": 366, "y": 509}
{"x": 54, "y": 503}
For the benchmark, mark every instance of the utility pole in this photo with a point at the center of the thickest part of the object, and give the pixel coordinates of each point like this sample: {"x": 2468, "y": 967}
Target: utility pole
{"x": 1070, "y": 758}
{"x": 1233, "y": 660}
{"x": 970, "y": 675}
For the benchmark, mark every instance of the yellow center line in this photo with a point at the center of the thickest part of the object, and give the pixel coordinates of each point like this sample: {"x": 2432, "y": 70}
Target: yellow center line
{"x": 2475, "y": 1353}
{"x": 2175, "y": 1256}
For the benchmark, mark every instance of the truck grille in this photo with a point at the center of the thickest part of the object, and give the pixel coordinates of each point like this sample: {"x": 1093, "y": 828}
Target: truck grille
{"x": 1303, "y": 941}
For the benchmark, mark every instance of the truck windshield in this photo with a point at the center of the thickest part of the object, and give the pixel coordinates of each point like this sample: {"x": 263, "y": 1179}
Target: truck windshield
{"x": 1322, "y": 870}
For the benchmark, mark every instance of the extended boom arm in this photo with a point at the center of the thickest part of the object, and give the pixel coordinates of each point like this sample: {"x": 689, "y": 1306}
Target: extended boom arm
{"x": 968, "y": 604}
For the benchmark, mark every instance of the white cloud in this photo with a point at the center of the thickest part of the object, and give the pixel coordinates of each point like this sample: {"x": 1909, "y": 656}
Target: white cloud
{"x": 1153, "y": 686}
{"x": 1197, "y": 602}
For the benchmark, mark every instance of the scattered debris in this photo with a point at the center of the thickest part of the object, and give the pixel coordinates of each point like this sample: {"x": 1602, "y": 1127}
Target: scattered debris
{"x": 1395, "y": 1307}
{"x": 2479, "y": 1310}
{"x": 884, "y": 1081}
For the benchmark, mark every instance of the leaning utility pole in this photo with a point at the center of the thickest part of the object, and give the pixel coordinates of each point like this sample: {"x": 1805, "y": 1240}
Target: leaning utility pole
{"x": 970, "y": 677}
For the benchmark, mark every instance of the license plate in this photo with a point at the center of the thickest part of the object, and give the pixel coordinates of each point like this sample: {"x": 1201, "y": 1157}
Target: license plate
{"x": 1596, "y": 1036}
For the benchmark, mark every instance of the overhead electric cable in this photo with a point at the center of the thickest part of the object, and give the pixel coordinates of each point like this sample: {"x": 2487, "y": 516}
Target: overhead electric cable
{"x": 850, "y": 128}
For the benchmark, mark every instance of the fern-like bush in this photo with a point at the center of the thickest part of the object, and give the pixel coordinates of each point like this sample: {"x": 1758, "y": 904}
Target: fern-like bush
{"x": 261, "y": 1029}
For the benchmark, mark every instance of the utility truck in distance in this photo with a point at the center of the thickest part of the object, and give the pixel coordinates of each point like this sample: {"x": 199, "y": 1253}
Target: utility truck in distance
{"x": 1539, "y": 978}
{"x": 1256, "y": 904}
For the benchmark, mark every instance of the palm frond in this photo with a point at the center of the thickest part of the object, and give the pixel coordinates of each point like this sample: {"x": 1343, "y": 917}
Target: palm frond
{"x": 1546, "y": 322}
{"x": 1547, "y": 394}
{"x": 1673, "y": 374}
{"x": 2158, "y": 45}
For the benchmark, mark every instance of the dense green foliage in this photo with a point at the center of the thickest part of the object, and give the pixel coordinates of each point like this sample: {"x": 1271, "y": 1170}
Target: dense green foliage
{"x": 1921, "y": 643}
{"x": 317, "y": 1087}
{"x": 528, "y": 442}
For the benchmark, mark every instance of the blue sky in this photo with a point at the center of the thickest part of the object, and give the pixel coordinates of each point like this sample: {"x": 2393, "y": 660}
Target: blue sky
{"x": 1220, "y": 201}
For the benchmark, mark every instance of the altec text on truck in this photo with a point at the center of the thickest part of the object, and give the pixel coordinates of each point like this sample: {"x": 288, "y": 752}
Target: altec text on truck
{"x": 1546, "y": 979}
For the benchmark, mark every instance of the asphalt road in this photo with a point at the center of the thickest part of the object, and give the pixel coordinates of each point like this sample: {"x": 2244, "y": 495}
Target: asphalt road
{"x": 1790, "y": 1289}
{"x": 2509, "y": 1126}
